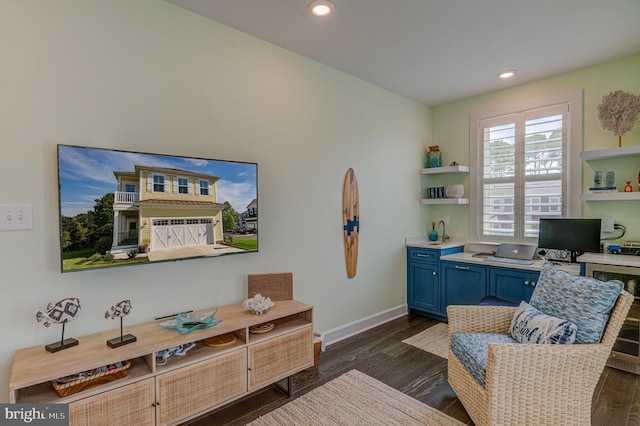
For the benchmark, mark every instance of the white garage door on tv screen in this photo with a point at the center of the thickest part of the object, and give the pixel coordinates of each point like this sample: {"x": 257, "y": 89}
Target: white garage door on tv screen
{"x": 120, "y": 208}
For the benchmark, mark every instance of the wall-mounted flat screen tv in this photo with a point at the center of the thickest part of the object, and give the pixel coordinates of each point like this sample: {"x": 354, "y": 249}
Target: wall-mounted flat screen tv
{"x": 122, "y": 208}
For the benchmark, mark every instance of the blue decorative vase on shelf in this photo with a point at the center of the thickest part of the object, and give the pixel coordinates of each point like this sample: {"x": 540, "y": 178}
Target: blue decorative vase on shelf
{"x": 434, "y": 157}
{"x": 433, "y": 235}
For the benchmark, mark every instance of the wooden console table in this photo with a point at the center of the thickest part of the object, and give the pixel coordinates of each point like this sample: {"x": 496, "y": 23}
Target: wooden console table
{"x": 183, "y": 388}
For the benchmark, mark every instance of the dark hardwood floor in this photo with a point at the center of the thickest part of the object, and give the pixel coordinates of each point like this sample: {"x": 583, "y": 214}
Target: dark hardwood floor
{"x": 380, "y": 353}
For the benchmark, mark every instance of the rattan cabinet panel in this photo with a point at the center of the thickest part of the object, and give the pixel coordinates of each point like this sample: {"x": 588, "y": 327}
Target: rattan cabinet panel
{"x": 279, "y": 357}
{"x": 129, "y": 405}
{"x": 190, "y": 390}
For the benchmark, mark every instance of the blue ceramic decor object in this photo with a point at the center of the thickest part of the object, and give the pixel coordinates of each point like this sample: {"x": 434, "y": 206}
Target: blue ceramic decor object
{"x": 187, "y": 322}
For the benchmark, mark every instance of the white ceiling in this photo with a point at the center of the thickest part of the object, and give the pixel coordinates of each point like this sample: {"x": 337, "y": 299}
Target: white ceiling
{"x": 437, "y": 51}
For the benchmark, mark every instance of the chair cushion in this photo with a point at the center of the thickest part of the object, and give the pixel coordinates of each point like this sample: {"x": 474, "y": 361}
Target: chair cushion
{"x": 472, "y": 350}
{"x": 584, "y": 301}
{"x": 529, "y": 325}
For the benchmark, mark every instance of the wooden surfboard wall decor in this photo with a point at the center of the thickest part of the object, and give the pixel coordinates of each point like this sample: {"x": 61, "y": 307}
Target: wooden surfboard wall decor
{"x": 351, "y": 221}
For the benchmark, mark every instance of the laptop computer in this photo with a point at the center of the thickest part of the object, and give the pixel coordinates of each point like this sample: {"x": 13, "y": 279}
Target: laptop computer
{"x": 521, "y": 254}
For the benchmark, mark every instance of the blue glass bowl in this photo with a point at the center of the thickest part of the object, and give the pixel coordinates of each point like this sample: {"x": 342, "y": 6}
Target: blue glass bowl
{"x": 187, "y": 322}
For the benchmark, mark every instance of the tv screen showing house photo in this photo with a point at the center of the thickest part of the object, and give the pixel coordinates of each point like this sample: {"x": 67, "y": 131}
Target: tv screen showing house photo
{"x": 123, "y": 208}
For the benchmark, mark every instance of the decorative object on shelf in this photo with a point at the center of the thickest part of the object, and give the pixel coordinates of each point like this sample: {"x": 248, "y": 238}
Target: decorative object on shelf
{"x": 455, "y": 191}
{"x": 628, "y": 187}
{"x": 602, "y": 189}
{"x": 618, "y": 112}
{"x": 611, "y": 179}
{"x": 351, "y": 221}
{"x": 165, "y": 355}
{"x": 433, "y": 235}
{"x": 261, "y": 328}
{"x": 258, "y": 304}
{"x": 68, "y": 385}
{"x": 221, "y": 340}
{"x": 187, "y": 322}
{"x": 454, "y": 163}
{"x": 434, "y": 157}
{"x": 597, "y": 178}
{"x": 440, "y": 192}
{"x": 120, "y": 310}
{"x": 61, "y": 313}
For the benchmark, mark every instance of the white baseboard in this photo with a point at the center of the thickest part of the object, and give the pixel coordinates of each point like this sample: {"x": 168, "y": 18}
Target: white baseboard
{"x": 339, "y": 333}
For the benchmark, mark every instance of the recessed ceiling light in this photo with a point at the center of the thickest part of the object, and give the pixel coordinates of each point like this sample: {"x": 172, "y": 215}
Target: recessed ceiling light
{"x": 507, "y": 73}
{"x": 321, "y": 8}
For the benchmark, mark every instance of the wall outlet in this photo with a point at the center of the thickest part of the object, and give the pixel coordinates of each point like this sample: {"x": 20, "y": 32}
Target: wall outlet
{"x": 607, "y": 224}
{"x": 16, "y": 217}
{"x": 446, "y": 220}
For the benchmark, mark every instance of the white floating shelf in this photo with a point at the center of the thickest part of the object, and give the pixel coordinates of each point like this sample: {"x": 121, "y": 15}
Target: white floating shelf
{"x": 445, "y": 201}
{"x": 611, "y": 196}
{"x": 604, "y": 154}
{"x": 447, "y": 169}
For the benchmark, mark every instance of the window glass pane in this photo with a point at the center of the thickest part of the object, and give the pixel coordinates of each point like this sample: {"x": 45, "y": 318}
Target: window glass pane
{"x": 158, "y": 183}
{"x": 498, "y": 218}
{"x": 183, "y": 187}
{"x": 204, "y": 187}
{"x": 499, "y": 172}
{"x": 522, "y": 172}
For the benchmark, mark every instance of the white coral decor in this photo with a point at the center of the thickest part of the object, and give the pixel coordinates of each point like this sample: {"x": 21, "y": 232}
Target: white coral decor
{"x": 258, "y": 304}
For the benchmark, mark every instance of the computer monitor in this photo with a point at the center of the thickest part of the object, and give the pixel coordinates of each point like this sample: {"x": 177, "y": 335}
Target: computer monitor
{"x": 573, "y": 235}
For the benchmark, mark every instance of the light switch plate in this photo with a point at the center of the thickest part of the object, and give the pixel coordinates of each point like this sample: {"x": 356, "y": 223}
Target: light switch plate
{"x": 16, "y": 217}
{"x": 607, "y": 224}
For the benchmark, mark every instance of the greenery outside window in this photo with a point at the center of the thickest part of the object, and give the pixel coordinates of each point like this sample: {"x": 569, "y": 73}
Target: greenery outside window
{"x": 524, "y": 166}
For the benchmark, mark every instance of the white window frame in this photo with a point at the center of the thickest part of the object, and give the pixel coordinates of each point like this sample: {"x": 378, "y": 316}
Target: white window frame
{"x": 573, "y": 178}
{"x": 202, "y": 187}
{"x": 165, "y": 182}
{"x": 187, "y": 186}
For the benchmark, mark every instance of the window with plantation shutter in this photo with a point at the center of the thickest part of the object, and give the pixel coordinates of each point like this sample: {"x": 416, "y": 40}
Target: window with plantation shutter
{"x": 523, "y": 164}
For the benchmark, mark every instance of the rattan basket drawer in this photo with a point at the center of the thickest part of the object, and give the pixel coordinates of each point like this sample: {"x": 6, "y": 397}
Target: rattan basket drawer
{"x": 190, "y": 390}
{"x": 280, "y": 356}
{"x": 129, "y": 405}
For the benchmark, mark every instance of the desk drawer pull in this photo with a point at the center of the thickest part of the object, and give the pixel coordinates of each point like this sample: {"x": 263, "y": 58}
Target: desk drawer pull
{"x": 464, "y": 268}
{"x": 423, "y": 255}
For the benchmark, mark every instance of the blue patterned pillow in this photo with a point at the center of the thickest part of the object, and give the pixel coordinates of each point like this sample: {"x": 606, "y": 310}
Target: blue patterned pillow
{"x": 584, "y": 301}
{"x": 529, "y": 325}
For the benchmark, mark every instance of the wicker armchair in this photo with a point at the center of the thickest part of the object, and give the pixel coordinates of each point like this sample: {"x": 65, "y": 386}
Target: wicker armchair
{"x": 530, "y": 384}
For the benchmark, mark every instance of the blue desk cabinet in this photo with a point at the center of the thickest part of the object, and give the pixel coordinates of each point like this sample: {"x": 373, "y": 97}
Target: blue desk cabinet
{"x": 513, "y": 285}
{"x": 423, "y": 279}
{"x": 463, "y": 283}
{"x": 424, "y": 287}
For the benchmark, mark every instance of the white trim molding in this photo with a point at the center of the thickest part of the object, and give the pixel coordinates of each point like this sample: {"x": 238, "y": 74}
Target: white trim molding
{"x": 347, "y": 330}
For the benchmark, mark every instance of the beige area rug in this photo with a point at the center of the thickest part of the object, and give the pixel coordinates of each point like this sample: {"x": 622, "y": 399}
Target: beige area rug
{"x": 434, "y": 340}
{"x": 355, "y": 399}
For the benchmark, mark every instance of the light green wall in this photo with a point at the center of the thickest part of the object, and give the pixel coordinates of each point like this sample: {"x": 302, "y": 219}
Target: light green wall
{"x": 148, "y": 76}
{"x": 451, "y": 132}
